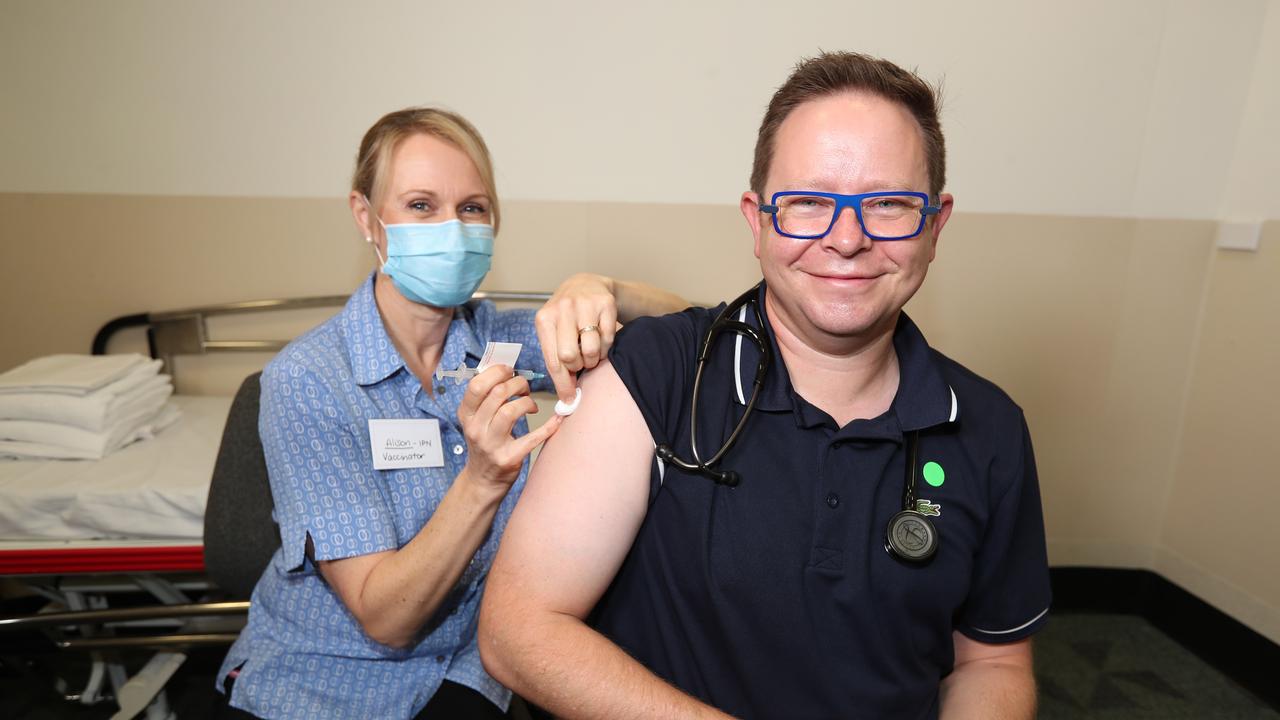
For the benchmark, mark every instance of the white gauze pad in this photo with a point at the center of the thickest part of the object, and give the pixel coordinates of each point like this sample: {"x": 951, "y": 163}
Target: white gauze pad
{"x": 563, "y": 408}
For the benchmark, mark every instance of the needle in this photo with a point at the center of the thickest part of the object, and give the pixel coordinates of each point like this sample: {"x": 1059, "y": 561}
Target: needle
{"x": 464, "y": 373}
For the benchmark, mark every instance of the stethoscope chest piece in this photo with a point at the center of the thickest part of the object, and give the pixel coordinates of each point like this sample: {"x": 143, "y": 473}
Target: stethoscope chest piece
{"x": 911, "y": 537}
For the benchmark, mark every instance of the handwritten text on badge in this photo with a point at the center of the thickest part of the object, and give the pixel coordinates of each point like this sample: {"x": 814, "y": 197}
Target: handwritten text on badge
{"x": 405, "y": 444}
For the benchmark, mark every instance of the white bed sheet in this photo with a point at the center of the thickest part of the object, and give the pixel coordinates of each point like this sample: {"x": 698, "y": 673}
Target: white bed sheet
{"x": 152, "y": 489}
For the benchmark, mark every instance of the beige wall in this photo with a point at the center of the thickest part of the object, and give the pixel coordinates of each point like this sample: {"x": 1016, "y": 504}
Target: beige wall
{"x": 161, "y": 155}
{"x": 1215, "y": 535}
{"x": 1143, "y": 357}
{"x": 1089, "y": 324}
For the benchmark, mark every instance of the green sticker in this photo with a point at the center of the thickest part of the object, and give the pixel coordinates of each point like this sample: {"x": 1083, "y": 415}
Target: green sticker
{"x": 933, "y": 474}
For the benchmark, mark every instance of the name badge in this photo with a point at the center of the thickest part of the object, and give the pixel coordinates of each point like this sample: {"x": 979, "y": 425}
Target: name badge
{"x": 397, "y": 444}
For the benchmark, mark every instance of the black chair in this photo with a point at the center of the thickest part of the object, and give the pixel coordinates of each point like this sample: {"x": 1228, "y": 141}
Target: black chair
{"x": 239, "y": 535}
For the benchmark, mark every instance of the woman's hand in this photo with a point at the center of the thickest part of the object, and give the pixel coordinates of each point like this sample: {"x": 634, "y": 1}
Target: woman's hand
{"x": 394, "y": 593}
{"x": 576, "y": 328}
{"x": 494, "y": 401}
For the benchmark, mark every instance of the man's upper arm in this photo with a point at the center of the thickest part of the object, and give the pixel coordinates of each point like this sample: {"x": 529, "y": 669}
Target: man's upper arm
{"x": 968, "y": 650}
{"x": 582, "y": 506}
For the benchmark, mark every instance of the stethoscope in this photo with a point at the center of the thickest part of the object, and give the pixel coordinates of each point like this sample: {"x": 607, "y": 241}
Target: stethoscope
{"x": 910, "y": 536}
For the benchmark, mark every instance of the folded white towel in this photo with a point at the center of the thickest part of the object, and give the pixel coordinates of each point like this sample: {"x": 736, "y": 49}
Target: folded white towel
{"x": 69, "y": 374}
{"x": 84, "y": 445}
{"x": 95, "y": 443}
{"x": 95, "y": 411}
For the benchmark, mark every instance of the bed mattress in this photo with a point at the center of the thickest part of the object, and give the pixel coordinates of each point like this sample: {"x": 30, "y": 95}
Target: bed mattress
{"x": 154, "y": 490}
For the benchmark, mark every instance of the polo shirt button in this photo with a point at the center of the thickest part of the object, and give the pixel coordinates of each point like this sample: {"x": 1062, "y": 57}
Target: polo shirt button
{"x": 439, "y": 389}
{"x": 457, "y": 450}
{"x": 439, "y": 658}
{"x": 833, "y": 501}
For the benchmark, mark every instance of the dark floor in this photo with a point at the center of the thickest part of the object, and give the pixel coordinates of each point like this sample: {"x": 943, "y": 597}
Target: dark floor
{"x": 29, "y": 688}
{"x": 1100, "y": 667}
{"x": 1089, "y": 667}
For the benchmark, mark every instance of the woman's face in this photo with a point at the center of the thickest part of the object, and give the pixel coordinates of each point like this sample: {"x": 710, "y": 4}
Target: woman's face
{"x": 429, "y": 181}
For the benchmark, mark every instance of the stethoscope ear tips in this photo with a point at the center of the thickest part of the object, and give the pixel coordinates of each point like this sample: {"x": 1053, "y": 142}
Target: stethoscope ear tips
{"x": 728, "y": 478}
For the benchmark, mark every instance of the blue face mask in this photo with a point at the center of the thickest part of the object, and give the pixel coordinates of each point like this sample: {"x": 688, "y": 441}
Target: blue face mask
{"x": 439, "y": 264}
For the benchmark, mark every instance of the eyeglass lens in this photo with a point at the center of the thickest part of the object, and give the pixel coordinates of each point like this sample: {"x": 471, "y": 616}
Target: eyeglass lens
{"x": 889, "y": 216}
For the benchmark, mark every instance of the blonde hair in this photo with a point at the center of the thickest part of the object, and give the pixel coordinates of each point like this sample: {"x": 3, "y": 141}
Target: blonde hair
{"x": 381, "y": 141}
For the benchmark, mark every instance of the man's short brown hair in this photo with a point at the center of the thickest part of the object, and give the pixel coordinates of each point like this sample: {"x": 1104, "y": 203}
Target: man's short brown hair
{"x": 836, "y": 72}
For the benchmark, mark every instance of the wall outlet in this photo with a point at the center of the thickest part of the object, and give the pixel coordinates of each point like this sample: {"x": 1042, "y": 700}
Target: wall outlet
{"x": 1238, "y": 235}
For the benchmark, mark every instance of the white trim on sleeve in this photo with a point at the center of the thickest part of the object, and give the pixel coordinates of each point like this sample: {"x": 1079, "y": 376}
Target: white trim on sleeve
{"x": 1016, "y": 629}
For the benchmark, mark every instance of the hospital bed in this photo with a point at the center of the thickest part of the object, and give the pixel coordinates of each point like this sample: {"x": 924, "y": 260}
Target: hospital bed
{"x": 145, "y": 520}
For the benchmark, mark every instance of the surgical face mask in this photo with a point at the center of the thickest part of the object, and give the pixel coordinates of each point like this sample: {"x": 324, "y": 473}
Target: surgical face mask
{"x": 439, "y": 264}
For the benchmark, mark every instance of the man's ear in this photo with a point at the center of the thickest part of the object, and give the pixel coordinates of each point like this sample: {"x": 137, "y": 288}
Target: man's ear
{"x": 750, "y": 207}
{"x": 937, "y": 221}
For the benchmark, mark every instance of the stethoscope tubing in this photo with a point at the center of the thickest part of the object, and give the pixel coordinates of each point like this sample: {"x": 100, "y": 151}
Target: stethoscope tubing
{"x": 908, "y": 522}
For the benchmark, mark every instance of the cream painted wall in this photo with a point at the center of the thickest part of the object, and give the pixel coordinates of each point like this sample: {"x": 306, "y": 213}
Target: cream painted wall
{"x": 1089, "y": 324}
{"x": 1250, "y": 193}
{"x": 1086, "y": 108}
{"x": 1215, "y": 537}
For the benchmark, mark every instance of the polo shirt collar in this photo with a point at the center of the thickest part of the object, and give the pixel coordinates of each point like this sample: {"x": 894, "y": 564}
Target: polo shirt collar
{"x": 924, "y": 397}
{"x": 775, "y": 393}
{"x": 374, "y": 357}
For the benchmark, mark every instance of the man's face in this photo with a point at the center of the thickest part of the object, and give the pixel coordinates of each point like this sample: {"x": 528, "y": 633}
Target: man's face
{"x": 845, "y": 285}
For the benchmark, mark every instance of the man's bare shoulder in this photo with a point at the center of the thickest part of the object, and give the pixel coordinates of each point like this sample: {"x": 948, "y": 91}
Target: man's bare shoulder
{"x": 606, "y": 415}
{"x": 582, "y": 506}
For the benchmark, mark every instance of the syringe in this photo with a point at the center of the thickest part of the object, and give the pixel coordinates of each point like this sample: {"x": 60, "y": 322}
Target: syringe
{"x": 464, "y": 374}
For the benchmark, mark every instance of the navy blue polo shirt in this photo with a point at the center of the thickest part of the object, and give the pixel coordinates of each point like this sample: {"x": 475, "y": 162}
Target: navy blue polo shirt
{"x": 777, "y": 598}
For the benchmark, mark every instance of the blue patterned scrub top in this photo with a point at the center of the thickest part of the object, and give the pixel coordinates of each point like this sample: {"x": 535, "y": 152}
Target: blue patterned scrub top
{"x": 303, "y": 654}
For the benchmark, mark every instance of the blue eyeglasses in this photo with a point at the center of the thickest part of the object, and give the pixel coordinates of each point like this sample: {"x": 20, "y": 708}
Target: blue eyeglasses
{"x": 889, "y": 215}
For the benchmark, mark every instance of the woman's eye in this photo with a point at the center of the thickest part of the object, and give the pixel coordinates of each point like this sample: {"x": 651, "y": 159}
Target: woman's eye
{"x": 420, "y": 206}
{"x": 474, "y": 209}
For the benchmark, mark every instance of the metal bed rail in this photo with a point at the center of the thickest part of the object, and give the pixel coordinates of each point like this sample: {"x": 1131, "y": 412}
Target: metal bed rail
{"x": 131, "y": 616}
{"x": 107, "y": 615}
{"x": 186, "y": 332}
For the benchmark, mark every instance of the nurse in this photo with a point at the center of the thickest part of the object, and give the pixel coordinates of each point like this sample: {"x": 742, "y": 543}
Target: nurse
{"x": 369, "y": 607}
